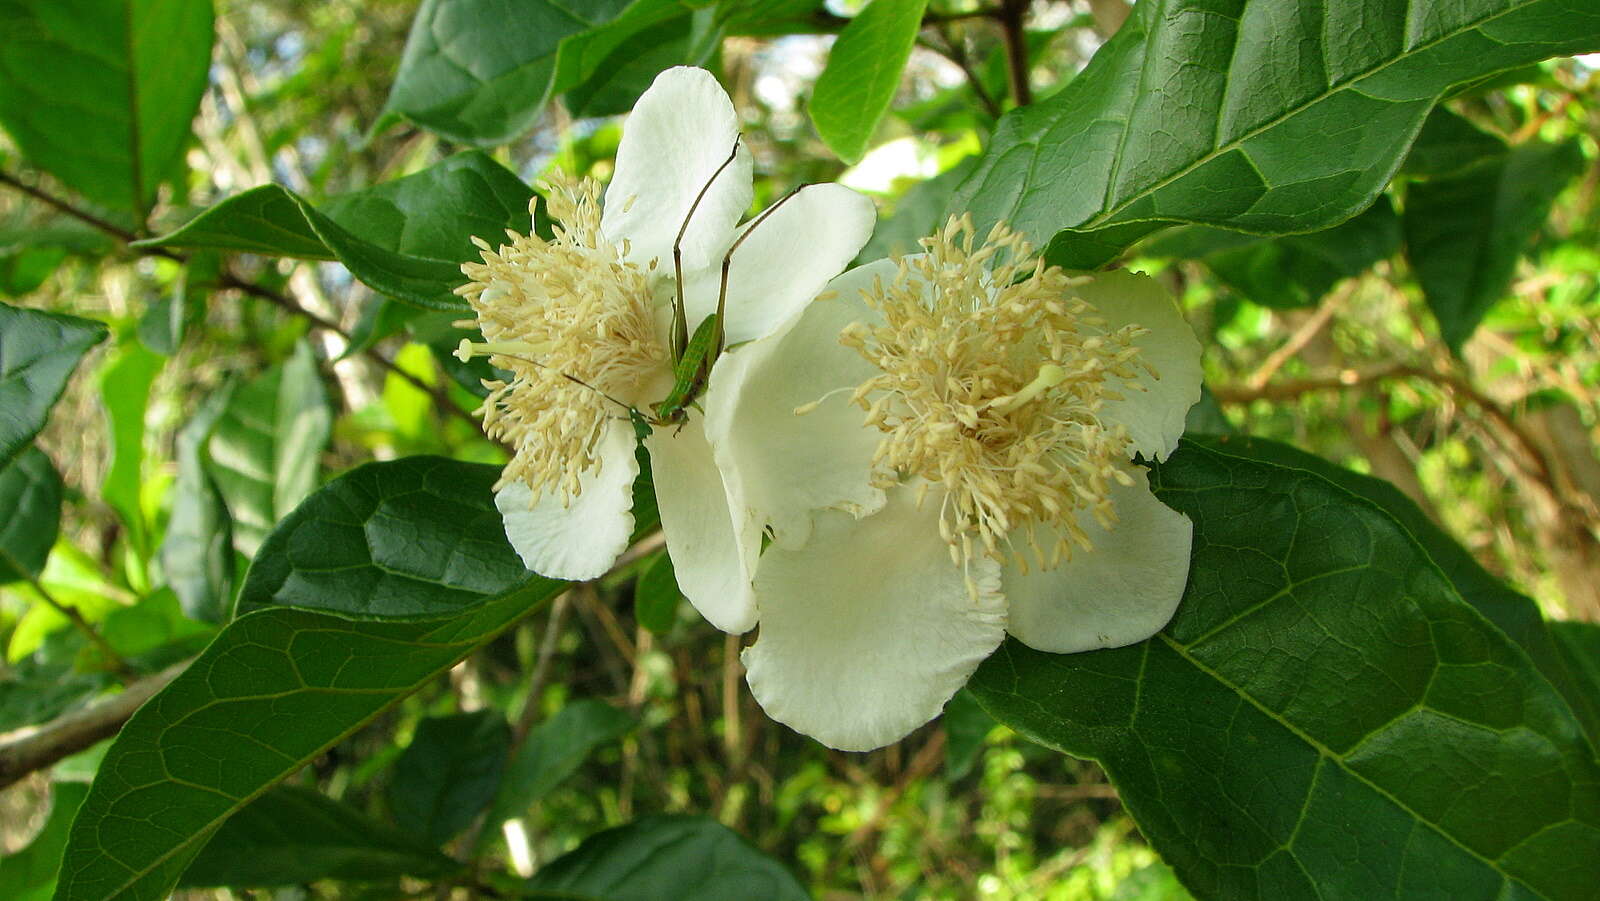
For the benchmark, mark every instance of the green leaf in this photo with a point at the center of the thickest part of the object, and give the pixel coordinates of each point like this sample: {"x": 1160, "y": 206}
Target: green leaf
{"x": 1516, "y": 615}
{"x": 277, "y": 688}
{"x": 1195, "y": 111}
{"x": 656, "y": 596}
{"x": 30, "y": 873}
{"x": 1580, "y": 647}
{"x": 266, "y": 446}
{"x": 863, "y": 71}
{"x": 405, "y": 238}
{"x": 30, "y": 493}
{"x": 966, "y": 725}
{"x": 1291, "y": 271}
{"x": 668, "y": 857}
{"x": 125, "y": 391}
{"x": 293, "y": 835}
{"x": 44, "y": 685}
{"x": 1324, "y": 715}
{"x": 613, "y": 86}
{"x": 197, "y": 551}
{"x": 416, "y": 537}
{"x": 1447, "y": 144}
{"x": 37, "y": 353}
{"x": 1464, "y": 233}
{"x": 100, "y": 93}
{"x": 480, "y": 71}
{"x": 449, "y": 773}
{"x": 554, "y": 750}
{"x": 168, "y": 316}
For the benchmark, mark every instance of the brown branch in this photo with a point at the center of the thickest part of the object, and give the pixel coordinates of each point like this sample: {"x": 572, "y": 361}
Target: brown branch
{"x": 1011, "y": 13}
{"x": 1288, "y": 389}
{"x": 955, "y": 50}
{"x": 27, "y": 750}
{"x": 441, "y": 397}
{"x": 110, "y": 228}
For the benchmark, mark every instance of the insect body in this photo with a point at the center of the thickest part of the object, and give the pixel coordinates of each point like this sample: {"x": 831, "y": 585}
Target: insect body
{"x": 692, "y": 356}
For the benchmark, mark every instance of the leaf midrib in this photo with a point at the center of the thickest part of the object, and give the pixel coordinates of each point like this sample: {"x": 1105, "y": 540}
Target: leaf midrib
{"x": 1108, "y": 212}
{"x": 1326, "y": 753}
{"x": 135, "y": 875}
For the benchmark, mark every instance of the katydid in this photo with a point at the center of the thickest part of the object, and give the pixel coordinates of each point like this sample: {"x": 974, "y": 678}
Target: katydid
{"x": 692, "y": 356}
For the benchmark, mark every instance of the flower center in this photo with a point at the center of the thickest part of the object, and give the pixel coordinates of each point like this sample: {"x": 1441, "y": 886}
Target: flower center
{"x": 992, "y": 379}
{"x": 574, "y": 325}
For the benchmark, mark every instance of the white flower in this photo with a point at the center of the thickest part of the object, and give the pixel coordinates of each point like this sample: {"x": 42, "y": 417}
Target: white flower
{"x": 583, "y": 323}
{"x": 989, "y": 491}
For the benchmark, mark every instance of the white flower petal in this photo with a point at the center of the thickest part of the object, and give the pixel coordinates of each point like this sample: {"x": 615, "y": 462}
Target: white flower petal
{"x": 1122, "y": 591}
{"x": 1154, "y": 416}
{"x": 786, "y": 466}
{"x": 712, "y": 554}
{"x": 786, "y": 261}
{"x": 678, "y": 134}
{"x": 868, "y": 630}
{"x": 579, "y": 540}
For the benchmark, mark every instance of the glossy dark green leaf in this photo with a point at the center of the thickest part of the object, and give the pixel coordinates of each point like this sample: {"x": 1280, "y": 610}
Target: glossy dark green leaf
{"x": 125, "y": 392}
{"x": 1464, "y": 233}
{"x": 554, "y": 750}
{"x": 1196, "y": 111}
{"x": 277, "y": 688}
{"x": 1515, "y": 614}
{"x": 30, "y": 873}
{"x": 293, "y": 835}
{"x": 1447, "y": 144}
{"x": 480, "y": 71}
{"x": 656, "y": 596}
{"x": 38, "y": 351}
{"x": 197, "y": 550}
{"x": 1324, "y": 714}
{"x": 405, "y": 238}
{"x": 30, "y": 495}
{"x": 100, "y": 92}
{"x": 416, "y": 537}
{"x": 966, "y": 725}
{"x": 1293, "y": 270}
{"x": 1579, "y": 644}
{"x": 449, "y": 773}
{"x": 266, "y": 446}
{"x": 863, "y": 71}
{"x": 658, "y": 857}
{"x": 613, "y": 86}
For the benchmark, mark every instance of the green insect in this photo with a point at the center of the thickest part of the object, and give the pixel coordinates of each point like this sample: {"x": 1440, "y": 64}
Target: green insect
{"x": 692, "y": 355}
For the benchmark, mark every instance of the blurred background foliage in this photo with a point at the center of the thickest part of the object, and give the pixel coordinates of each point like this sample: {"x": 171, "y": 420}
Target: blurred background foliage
{"x": 1357, "y": 344}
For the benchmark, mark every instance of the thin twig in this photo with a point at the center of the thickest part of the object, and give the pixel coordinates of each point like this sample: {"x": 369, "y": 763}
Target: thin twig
{"x": 83, "y": 215}
{"x": 114, "y": 661}
{"x": 955, "y": 50}
{"x": 27, "y": 750}
{"x": 227, "y": 279}
{"x": 1301, "y": 337}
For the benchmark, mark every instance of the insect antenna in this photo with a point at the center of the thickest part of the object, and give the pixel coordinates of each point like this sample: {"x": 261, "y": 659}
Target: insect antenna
{"x": 680, "y": 321}
{"x": 466, "y": 352}
{"x": 727, "y": 261}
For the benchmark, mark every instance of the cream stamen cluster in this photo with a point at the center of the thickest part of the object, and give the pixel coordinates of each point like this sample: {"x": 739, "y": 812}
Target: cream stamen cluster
{"x": 993, "y": 378}
{"x": 572, "y": 321}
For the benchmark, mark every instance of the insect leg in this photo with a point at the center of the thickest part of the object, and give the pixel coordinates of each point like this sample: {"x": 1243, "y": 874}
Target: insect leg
{"x": 680, "y": 316}
{"x": 727, "y": 262}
